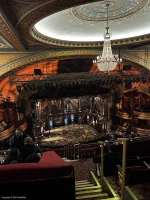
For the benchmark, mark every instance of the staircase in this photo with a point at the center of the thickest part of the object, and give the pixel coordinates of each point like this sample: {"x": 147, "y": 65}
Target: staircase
{"x": 88, "y": 191}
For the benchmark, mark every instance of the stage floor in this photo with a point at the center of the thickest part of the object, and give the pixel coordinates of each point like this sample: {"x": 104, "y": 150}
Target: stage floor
{"x": 69, "y": 135}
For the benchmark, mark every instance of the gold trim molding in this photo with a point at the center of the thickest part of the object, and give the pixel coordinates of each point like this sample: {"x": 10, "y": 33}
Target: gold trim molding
{"x": 26, "y": 25}
{"x": 9, "y": 35}
{"x": 52, "y": 41}
{"x": 31, "y": 59}
{"x": 142, "y": 115}
{"x": 139, "y": 115}
{"x": 141, "y": 130}
{"x": 123, "y": 115}
{"x": 45, "y": 56}
{"x": 9, "y": 132}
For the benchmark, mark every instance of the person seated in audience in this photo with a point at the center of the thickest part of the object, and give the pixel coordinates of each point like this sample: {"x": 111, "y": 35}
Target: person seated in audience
{"x": 31, "y": 152}
{"x": 17, "y": 141}
{"x": 13, "y": 157}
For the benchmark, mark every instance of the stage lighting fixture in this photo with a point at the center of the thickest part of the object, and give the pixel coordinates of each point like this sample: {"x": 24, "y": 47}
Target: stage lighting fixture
{"x": 18, "y": 87}
{"x": 143, "y": 80}
{"x": 127, "y": 67}
{"x": 37, "y": 72}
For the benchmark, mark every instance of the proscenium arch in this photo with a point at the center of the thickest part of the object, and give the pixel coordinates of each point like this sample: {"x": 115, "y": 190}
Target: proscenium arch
{"x": 32, "y": 59}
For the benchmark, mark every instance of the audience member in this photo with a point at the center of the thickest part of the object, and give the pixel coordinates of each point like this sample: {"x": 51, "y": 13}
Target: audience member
{"x": 13, "y": 157}
{"x": 17, "y": 140}
{"x": 31, "y": 152}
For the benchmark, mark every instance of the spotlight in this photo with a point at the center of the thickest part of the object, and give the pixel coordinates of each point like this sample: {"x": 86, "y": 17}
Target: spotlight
{"x": 143, "y": 80}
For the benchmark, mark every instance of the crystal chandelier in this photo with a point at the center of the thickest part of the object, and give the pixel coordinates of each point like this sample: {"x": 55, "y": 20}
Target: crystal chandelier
{"x": 107, "y": 61}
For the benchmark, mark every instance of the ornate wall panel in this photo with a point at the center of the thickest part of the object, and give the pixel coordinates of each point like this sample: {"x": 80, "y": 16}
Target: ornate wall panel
{"x": 34, "y": 58}
{"x": 8, "y": 58}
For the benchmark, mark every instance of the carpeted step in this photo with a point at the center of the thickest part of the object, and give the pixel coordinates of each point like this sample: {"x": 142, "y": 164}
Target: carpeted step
{"x": 93, "y": 196}
{"x": 84, "y": 185}
{"x": 81, "y": 181}
{"x": 87, "y": 188}
{"x": 89, "y": 192}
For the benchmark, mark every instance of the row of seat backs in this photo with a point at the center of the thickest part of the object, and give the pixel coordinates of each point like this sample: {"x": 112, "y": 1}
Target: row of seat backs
{"x": 137, "y": 175}
{"x": 136, "y": 171}
{"x": 137, "y": 161}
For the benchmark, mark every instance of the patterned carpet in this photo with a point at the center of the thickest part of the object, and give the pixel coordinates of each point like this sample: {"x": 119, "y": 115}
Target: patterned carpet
{"x": 113, "y": 181}
{"x": 82, "y": 172}
{"x": 83, "y": 168}
{"x": 142, "y": 191}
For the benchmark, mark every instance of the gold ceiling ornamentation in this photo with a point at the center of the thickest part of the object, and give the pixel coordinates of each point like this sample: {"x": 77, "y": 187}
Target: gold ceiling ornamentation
{"x": 26, "y": 22}
{"x": 52, "y": 41}
{"x": 8, "y": 58}
{"x": 32, "y": 58}
{"x": 28, "y": 31}
{"x": 4, "y": 44}
{"x": 95, "y": 12}
{"x": 9, "y": 35}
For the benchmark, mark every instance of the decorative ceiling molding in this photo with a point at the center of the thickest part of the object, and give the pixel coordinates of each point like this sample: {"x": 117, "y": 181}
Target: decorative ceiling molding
{"x": 117, "y": 10}
{"x": 27, "y": 21}
{"x": 9, "y": 34}
{"x": 9, "y": 58}
{"x": 4, "y": 44}
{"x": 30, "y": 59}
{"x": 27, "y": 30}
{"x": 52, "y": 41}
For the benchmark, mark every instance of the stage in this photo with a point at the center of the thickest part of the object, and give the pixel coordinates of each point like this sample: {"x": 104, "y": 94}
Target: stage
{"x": 69, "y": 135}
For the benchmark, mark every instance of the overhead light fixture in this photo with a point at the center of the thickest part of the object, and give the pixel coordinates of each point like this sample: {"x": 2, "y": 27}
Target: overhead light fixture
{"x": 107, "y": 61}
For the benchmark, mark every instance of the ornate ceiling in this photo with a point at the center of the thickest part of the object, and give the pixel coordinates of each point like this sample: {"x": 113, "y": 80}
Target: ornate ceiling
{"x": 78, "y": 23}
{"x": 86, "y": 23}
{"x": 22, "y": 41}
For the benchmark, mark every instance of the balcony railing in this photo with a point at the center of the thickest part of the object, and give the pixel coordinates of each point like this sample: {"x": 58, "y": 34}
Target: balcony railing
{"x": 142, "y": 115}
{"x": 9, "y": 132}
{"x": 123, "y": 115}
{"x": 137, "y": 114}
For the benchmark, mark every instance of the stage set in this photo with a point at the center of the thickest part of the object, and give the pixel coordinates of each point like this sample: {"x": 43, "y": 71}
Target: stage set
{"x": 70, "y": 121}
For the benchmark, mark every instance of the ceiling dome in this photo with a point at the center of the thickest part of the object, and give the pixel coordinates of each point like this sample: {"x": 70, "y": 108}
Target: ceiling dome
{"x": 86, "y": 23}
